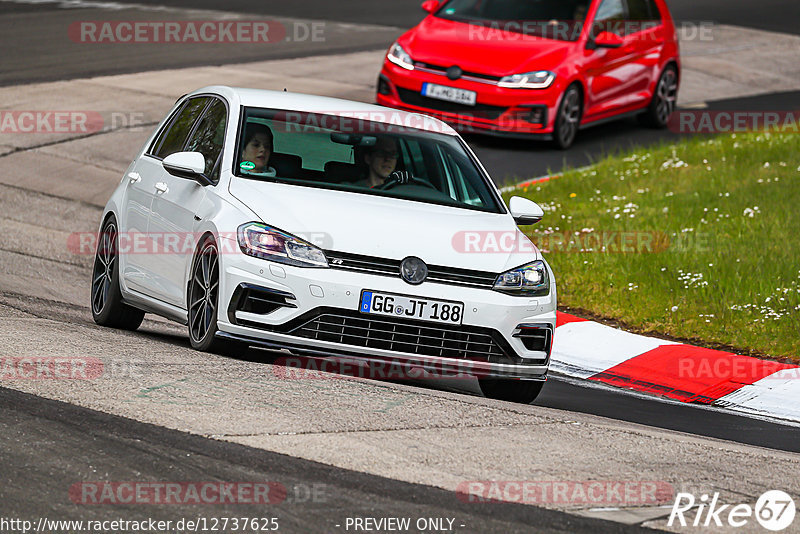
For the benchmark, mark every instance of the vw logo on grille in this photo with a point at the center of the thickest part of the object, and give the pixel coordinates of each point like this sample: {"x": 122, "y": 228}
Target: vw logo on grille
{"x": 413, "y": 270}
{"x": 454, "y": 72}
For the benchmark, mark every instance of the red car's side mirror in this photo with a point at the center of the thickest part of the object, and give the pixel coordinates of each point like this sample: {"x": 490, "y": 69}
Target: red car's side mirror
{"x": 430, "y": 5}
{"x": 608, "y": 40}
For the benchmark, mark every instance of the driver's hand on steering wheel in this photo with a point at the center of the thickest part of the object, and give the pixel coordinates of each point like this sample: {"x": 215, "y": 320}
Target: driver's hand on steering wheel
{"x": 401, "y": 177}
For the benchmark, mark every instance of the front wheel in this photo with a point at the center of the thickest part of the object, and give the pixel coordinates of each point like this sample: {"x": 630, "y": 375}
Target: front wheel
{"x": 203, "y": 302}
{"x": 521, "y": 391}
{"x": 664, "y": 99}
{"x": 568, "y": 118}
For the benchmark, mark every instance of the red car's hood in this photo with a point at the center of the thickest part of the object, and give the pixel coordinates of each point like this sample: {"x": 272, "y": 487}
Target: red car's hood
{"x": 482, "y": 49}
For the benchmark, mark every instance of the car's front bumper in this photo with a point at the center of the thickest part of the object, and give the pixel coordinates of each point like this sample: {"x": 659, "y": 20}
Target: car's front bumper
{"x": 499, "y": 111}
{"x": 310, "y": 293}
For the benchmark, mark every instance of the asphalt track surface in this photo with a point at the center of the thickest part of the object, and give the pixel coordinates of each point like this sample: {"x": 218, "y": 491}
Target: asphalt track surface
{"x": 65, "y": 443}
{"x": 69, "y": 445}
{"x": 773, "y": 15}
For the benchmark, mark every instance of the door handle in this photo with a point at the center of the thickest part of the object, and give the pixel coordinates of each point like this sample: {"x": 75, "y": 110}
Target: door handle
{"x": 134, "y": 177}
{"x": 161, "y": 187}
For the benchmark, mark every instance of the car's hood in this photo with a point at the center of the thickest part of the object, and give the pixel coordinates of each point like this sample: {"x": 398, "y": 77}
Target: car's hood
{"x": 388, "y": 227}
{"x": 482, "y": 49}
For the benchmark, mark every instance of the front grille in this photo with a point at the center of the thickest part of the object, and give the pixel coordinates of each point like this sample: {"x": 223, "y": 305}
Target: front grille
{"x": 402, "y": 335}
{"x": 387, "y": 267}
{"x": 478, "y": 111}
{"x": 475, "y": 76}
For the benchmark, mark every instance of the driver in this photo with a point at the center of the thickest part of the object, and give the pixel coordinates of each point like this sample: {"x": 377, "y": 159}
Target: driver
{"x": 381, "y": 161}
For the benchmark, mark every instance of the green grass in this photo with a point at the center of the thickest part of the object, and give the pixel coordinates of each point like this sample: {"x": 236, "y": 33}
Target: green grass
{"x": 718, "y": 224}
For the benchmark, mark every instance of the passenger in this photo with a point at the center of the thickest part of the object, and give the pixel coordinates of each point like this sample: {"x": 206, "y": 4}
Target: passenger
{"x": 257, "y": 150}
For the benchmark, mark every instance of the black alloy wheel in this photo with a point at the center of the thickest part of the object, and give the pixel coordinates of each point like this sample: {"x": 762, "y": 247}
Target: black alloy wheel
{"x": 568, "y": 118}
{"x": 664, "y": 99}
{"x": 108, "y": 309}
{"x": 203, "y": 303}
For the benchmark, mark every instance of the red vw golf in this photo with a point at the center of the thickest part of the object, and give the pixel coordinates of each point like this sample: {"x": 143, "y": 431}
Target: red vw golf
{"x": 538, "y": 68}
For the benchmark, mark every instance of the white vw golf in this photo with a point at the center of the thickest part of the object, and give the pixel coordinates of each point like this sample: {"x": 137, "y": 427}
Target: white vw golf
{"x": 332, "y": 229}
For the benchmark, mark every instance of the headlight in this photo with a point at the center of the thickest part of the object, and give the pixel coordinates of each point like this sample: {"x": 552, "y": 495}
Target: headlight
{"x": 400, "y": 57}
{"x": 529, "y": 280}
{"x": 529, "y": 80}
{"x": 262, "y": 241}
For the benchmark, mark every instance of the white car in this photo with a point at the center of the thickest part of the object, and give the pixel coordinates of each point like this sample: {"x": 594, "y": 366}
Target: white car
{"x": 330, "y": 228}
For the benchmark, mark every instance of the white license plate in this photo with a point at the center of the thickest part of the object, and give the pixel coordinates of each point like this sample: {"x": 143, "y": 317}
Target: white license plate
{"x": 406, "y": 307}
{"x": 451, "y": 94}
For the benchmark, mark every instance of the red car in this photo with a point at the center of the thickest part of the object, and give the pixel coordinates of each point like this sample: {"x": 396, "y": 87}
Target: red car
{"x": 540, "y": 68}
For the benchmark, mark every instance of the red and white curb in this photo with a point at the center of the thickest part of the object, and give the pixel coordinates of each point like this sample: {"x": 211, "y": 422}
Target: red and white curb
{"x": 591, "y": 351}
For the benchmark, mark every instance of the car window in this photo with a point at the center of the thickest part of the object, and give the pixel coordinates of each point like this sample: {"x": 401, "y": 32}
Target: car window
{"x": 610, "y": 10}
{"x": 314, "y": 147}
{"x": 359, "y": 156}
{"x": 552, "y": 19}
{"x": 642, "y": 15}
{"x": 178, "y": 131}
{"x": 209, "y": 134}
{"x": 655, "y": 14}
{"x": 625, "y": 17}
{"x": 638, "y": 10}
{"x": 611, "y": 17}
{"x": 158, "y": 140}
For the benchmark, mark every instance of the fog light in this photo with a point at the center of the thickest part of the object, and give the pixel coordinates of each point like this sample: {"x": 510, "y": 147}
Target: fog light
{"x": 538, "y": 115}
{"x": 383, "y": 86}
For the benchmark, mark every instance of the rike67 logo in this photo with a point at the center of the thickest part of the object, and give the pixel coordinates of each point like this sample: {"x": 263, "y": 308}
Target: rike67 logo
{"x": 774, "y": 510}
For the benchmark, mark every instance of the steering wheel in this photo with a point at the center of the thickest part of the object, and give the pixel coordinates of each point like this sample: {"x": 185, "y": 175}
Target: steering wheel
{"x": 403, "y": 178}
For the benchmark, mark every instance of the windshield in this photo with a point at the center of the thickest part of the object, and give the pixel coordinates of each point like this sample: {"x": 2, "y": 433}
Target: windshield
{"x": 368, "y": 157}
{"x": 553, "y": 19}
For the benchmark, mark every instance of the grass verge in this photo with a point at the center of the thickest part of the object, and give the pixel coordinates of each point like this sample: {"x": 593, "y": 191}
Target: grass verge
{"x": 698, "y": 241}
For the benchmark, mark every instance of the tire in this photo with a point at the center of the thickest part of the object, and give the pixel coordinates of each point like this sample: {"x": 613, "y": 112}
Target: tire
{"x": 663, "y": 102}
{"x": 203, "y": 303}
{"x": 106, "y": 298}
{"x": 521, "y": 391}
{"x": 568, "y": 118}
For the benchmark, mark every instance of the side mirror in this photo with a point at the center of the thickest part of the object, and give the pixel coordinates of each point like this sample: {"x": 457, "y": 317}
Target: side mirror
{"x": 607, "y": 40}
{"x": 525, "y": 211}
{"x": 430, "y": 5}
{"x": 191, "y": 165}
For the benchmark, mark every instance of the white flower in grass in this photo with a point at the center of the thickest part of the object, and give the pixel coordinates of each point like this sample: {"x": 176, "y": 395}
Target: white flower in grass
{"x": 674, "y": 309}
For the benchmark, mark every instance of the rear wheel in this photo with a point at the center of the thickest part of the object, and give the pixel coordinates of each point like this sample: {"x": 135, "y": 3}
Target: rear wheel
{"x": 521, "y": 391}
{"x": 203, "y": 302}
{"x": 664, "y": 99}
{"x": 568, "y": 118}
{"x": 107, "y": 306}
